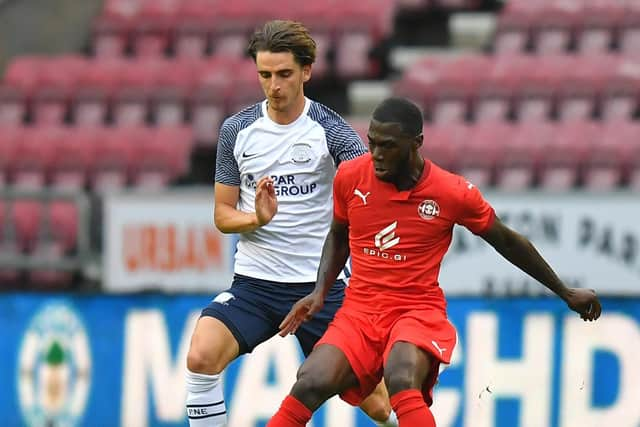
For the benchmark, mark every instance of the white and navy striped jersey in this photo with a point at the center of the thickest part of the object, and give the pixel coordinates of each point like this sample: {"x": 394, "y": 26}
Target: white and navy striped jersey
{"x": 302, "y": 158}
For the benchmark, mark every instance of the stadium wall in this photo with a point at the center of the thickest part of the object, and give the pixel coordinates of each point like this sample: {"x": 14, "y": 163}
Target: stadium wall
{"x": 101, "y": 361}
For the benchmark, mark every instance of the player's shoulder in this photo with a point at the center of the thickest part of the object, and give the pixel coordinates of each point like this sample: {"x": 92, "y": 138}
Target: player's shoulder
{"x": 324, "y": 115}
{"x": 448, "y": 182}
{"x": 242, "y": 119}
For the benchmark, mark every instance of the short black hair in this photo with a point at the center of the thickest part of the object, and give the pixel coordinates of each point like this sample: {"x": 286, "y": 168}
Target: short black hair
{"x": 284, "y": 36}
{"x": 402, "y": 111}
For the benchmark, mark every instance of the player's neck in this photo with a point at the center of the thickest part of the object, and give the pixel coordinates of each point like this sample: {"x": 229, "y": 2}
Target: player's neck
{"x": 408, "y": 181}
{"x": 289, "y": 115}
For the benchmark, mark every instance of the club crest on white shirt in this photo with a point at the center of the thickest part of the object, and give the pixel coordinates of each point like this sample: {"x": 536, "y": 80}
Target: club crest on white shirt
{"x": 301, "y": 153}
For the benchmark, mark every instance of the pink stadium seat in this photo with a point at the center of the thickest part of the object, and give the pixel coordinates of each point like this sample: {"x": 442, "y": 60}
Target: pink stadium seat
{"x": 480, "y": 151}
{"x": 131, "y": 98}
{"x": 555, "y": 26}
{"x": 72, "y": 159}
{"x": 156, "y": 160}
{"x": 581, "y": 86}
{"x": 458, "y": 4}
{"x": 56, "y": 88}
{"x": 513, "y": 29}
{"x": 629, "y": 37}
{"x": 95, "y": 91}
{"x": 494, "y": 94}
{"x": 619, "y": 99}
{"x": 443, "y": 144}
{"x": 599, "y": 22}
{"x": 358, "y": 27}
{"x": 194, "y": 25}
{"x": 539, "y": 80}
{"x": 209, "y": 99}
{"x": 111, "y": 155}
{"x": 9, "y": 276}
{"x": 361, "y": 126}
{"x": 516, "y": 166}
{"x": 10, "y": 137}
{"x": 633, "y": 166}
{"x": 13, "y": 105}
{"x": 110, "y": 36}
{"x": 457, "y": 83}
{"x": 33, "y": 156}
{"x": 174, "y": 89}
{"x": 604, "y": 165}
{"x": 24, "y": 73}
{"x": 418, "y": 81}
{"x": 152, "y": 27}
{"x": 563, "y": 157}
{"x": 63, "y": 219}
{"x": 246, "y": 89}
{"x": 26, "y": 216}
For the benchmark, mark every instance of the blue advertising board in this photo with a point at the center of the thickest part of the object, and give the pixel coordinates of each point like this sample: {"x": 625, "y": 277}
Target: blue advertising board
{"x": 119, "y": 361}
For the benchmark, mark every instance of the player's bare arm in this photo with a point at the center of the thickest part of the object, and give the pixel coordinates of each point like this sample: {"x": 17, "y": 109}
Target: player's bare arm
{"x": 335, "y": 252}
{"x": 518, "y": 250}
{"x": 229, "y": 219}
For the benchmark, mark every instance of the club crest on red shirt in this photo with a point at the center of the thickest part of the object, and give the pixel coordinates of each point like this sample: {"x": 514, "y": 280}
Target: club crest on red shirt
{"x": 428, "y": 210}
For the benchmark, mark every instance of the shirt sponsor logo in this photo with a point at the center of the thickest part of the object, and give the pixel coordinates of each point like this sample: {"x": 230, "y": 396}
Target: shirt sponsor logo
{"x": 428, "y": 210}
{"x": 283, "y": 185}
{"x": 383, "y": 240}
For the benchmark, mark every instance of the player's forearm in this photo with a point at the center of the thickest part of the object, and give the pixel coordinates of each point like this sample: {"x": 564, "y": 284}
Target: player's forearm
{"x": 334, "y": 256}
{"x": 230, "y": 220}
{"x": 520, "y": 252}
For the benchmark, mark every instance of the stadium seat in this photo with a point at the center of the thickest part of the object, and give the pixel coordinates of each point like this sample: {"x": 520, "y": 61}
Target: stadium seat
{"x": 418, "y": 81}
{"x": 517, "y": 165}
{"x": 580, "y": 88}
{"x": 56, "y": 88}
{"x": 131, "y": 98}
{"x": 477, "y": 157}
{"x": 63, "y": 220}
{"x": 194, "y": 24}
{"x": 13, "y": 105}
{"x": 513, "y": 28}
{"x": 157, "y": 158}
{"x": 24, "y": 72}
{"x": 538, "y": 85}
{"x": 599, "y": 22}
{"x": 554, "y": 26}
{"x": 152, "y": 27}
{"x": 629, "y": 36}
{"x": 173, "y": 92}
{"x": 443, "y": 144}
{"x": 495, "y": 93}
{"x": 604, "y": 165}
{"x": 209, "y": 99}
{"x": 91, "y": 104}
{"x": 33, "y": 157}
{"x": 111, "y": 158}
{"x": 620, "y": 92}
{"x": 72, "y": 159}
{"x": 27, "y": 215}
{"x": 10, "y": 138}
{"x": 563, "y": 157}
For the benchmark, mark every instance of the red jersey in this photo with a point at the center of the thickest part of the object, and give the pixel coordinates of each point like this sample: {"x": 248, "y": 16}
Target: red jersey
{"x": 398, "y": 238}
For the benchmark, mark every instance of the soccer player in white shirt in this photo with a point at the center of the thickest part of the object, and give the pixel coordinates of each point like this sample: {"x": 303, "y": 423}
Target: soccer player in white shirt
{"x": 274, "y": 171}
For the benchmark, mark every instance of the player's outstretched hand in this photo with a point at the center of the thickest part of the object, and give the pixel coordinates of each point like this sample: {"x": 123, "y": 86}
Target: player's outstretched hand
{"x": 301, "y": 311}
{"x": 585, "y": 302}
{"x": 266, "y": 201}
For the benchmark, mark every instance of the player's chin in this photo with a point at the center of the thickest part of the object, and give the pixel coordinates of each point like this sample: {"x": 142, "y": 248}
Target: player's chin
{"x": 382, "y": 174}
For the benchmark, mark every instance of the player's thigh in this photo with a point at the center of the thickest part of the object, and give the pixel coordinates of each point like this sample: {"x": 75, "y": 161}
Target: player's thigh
{"x": 328, "y": 366}
{"x": 408, "y": 365}
{"x": 212, "y": 348}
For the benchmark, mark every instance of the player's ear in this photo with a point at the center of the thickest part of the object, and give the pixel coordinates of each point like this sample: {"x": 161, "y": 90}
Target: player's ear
{"x": 419, "y": 140}
{"x": 306, "y": 73}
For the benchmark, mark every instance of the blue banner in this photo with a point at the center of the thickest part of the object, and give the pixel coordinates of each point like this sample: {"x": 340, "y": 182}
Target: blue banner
{"x": 103, "y": 361}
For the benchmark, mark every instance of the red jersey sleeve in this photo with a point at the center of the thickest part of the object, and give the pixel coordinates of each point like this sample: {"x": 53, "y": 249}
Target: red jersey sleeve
{"x": 339, "y": 199}
{"x": 475, "y": 212}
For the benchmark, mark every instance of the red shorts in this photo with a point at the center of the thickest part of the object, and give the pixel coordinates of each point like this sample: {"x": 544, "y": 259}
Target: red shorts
{"x": 367, "y": 339}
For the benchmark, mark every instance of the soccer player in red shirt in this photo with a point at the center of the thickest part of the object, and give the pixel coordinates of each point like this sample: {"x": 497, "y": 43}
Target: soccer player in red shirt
{"x": 394, "y": 212}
